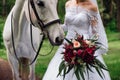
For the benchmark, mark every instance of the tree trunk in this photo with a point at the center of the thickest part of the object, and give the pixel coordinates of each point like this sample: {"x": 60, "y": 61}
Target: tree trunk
{"x": 108, "y": 10}
{"x": 4, "y": 10}
{"x": 118, "y": 14}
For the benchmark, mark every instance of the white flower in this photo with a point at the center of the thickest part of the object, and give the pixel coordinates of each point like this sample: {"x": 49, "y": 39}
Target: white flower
{"x": 88, "y": 42}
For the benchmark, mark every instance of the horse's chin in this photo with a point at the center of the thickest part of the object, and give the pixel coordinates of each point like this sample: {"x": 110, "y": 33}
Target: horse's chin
{"x": 55, "y": 42}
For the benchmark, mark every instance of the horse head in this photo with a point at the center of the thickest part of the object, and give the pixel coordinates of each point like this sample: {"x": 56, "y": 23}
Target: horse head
{"x": 43, "y": 15}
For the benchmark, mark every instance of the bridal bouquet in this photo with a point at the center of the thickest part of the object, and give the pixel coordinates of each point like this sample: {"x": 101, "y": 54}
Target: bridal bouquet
{"x": 79, "y": 56}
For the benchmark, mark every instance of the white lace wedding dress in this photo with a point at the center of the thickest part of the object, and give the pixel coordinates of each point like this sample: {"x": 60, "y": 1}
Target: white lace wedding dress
{"x": 77, "y": 19}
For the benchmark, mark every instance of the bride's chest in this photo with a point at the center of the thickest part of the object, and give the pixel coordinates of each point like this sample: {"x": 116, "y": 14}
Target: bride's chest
{"x": 77, "y": 16}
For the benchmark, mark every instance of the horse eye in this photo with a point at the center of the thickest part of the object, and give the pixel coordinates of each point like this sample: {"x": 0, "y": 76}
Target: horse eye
{"x": 40, "y": 3}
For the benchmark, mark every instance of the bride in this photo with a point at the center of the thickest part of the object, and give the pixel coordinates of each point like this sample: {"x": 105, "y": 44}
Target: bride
{"x": 82, "y": 16}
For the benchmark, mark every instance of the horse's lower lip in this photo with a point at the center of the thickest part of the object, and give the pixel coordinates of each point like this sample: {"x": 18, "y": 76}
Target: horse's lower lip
{"x": 56, "y": 44}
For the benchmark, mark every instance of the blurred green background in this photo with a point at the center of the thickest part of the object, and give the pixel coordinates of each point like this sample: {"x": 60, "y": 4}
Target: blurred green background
{"x": 109, "y": 13}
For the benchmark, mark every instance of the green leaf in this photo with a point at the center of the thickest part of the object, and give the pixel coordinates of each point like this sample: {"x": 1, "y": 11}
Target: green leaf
{"x": 100, "y": 64}
{"x": 87, "y": 72}
{"x": 61, "y": 67}
{"x": 81, "y": 71}
{"x": 88, "y": 67}
{"x": 68, "y": 41}
{"x": 64, "y": 73}
{"x": 98, "y": 47}
{"x": 75, "y": 68}
{"x": 77, "y": 74}
{"x": 98, "y": 43}
{"x": 102, "y": 72}
{"x": 97, "y": 69}
{"x": 69, "y": 68}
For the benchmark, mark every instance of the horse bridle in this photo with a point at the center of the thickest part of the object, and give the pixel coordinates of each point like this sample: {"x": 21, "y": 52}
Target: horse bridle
{"x": 39, "y": 21}
{"x": 41, "y": 25}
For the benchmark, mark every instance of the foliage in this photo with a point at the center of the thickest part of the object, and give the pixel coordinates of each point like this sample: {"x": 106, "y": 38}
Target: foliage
{"x": 2, "y": 20}
{"x": 113, "y": 36}
{"x": 111, "y": 26}
{"x": 112, "y": 59}
{"x": 61, "y": 9}
{"x": 9, "y": 5}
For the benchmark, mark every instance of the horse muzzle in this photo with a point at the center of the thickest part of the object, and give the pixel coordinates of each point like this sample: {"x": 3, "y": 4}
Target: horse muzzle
{"x": 57, "y": 41}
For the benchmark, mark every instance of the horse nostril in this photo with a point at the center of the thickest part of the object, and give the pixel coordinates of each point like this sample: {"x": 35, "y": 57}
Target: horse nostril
{"x": 59, "y": 40}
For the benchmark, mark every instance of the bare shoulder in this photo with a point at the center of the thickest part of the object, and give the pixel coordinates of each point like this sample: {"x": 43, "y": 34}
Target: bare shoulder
{"x": 68, "y": 3}
{"x": 93, "y": 7}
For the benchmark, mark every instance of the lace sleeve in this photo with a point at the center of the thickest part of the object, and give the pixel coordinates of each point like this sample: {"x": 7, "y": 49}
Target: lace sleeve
{"x": 94, "y": 22}
{"x": 98, "y": 28}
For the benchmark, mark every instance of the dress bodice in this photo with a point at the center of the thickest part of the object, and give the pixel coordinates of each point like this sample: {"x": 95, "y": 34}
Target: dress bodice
{"x": 77, "y": 19}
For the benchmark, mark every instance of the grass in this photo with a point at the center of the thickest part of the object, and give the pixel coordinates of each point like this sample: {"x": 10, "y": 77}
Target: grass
{"x": 112, "y": 59}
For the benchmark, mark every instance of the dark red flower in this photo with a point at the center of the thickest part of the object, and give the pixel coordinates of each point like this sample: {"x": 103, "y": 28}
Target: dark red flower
{"x": 79, "y": 52}
{"x": 87, "y": 57}
{"x": 68, "y": 55}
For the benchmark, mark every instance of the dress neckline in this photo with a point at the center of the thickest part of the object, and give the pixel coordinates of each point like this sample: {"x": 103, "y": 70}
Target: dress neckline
{"x": 80, "y": 7}
{"x": 77, "y": 7}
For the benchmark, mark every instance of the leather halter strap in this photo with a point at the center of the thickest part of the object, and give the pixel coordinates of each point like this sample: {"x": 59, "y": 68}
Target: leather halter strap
{"x": 40, "y": 22}
{"x": 41, "y": 25}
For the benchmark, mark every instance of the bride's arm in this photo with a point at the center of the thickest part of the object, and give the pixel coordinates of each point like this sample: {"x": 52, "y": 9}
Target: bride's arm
{"x": 95, "y": 31}
{"x": 94, "y": 22}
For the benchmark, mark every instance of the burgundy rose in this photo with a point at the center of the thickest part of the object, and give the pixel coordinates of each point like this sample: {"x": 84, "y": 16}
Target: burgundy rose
{"x": 87, "y": 57}
{"x": 68, "y": 46}
{"x": 91, "y": 50}
{"x": 68, "y": 55}
{"x": 79, "y": 52}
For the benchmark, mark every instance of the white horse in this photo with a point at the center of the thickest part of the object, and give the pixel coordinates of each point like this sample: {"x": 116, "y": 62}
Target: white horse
{"x": 21, "y": 51}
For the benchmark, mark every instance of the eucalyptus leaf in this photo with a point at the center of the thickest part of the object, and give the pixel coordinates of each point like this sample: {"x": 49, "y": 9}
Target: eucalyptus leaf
{"x": 61, "y": 67}
{"x": 97, "y": 69}
{"x": 68, "y": 41}
{"x": 77, "y": 74}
